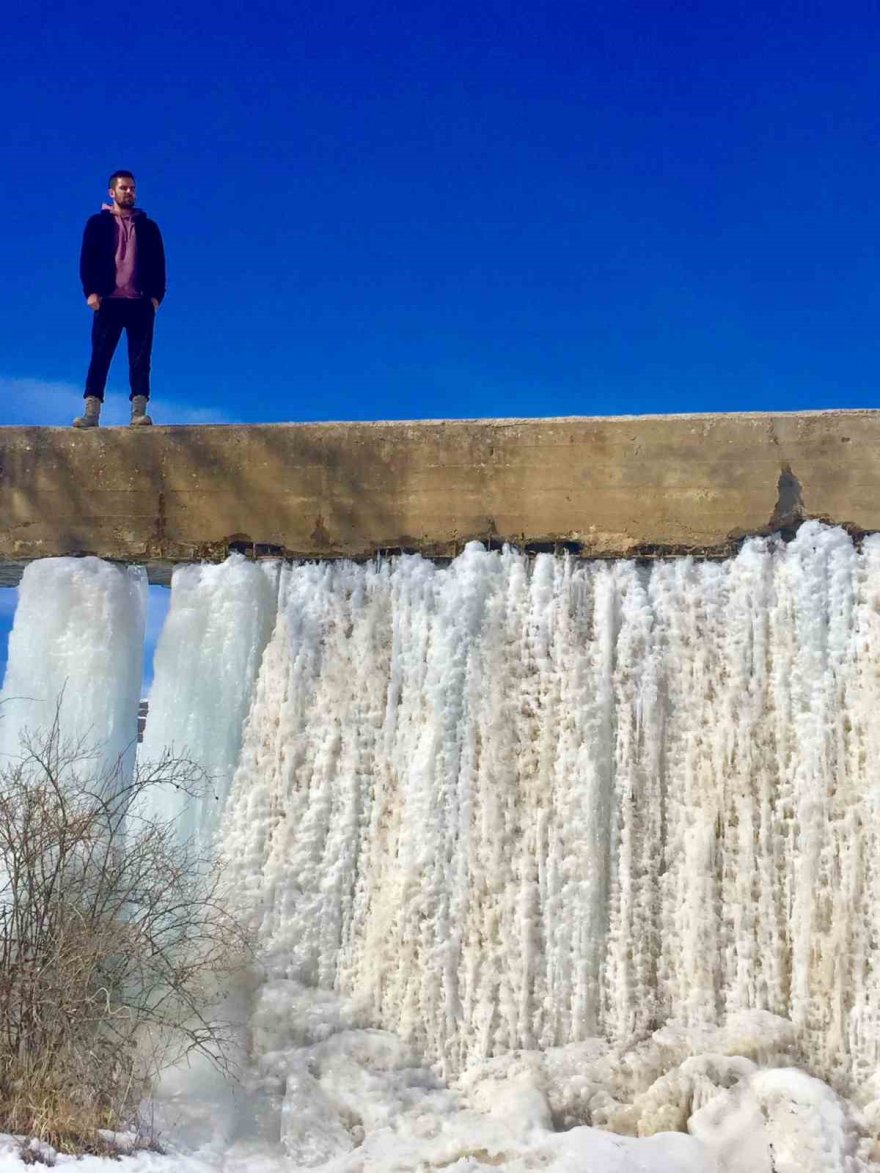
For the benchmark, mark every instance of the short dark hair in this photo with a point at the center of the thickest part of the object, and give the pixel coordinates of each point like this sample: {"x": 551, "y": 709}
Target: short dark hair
{"x": 111, "y": 182}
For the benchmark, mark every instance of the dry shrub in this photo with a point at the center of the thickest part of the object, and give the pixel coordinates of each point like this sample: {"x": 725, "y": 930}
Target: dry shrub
{"x": 114, "y": 942}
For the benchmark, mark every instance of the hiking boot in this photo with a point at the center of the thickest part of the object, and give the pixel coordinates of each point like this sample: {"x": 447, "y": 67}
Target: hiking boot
{"x": 92, "y": 415}
{"x": 139, "y": 417}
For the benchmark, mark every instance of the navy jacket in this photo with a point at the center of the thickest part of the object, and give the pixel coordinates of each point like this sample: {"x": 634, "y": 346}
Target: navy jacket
{"x": 97, "y": 260}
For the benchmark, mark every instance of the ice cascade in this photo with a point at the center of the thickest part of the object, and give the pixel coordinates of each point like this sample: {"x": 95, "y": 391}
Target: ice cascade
{"x": 518, "y": 802}
{"x": 517, "y": 806}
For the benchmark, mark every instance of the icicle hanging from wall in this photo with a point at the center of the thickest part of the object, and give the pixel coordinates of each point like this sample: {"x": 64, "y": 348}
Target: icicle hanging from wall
{"x": 78, "y": 634}
{"x": 205, "y": 665}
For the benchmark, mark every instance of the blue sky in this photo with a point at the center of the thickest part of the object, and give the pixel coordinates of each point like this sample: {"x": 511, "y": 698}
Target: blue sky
{"x": 384, "y": 210}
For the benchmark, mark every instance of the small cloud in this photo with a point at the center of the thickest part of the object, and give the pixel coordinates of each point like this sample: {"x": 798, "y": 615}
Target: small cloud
{"x": 29, "y": 402}
{"x": 177, "y": 411}
{"x": 44, "y": 403}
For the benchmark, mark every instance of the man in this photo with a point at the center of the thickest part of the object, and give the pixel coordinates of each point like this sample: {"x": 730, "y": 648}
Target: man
{"x": 122, "y": 268}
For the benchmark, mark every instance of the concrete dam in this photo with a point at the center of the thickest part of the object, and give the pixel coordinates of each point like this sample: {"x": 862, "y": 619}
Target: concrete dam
{"x": 606, "y": 488}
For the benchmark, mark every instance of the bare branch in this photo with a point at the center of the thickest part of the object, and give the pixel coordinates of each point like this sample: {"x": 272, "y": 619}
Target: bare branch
{"x": 114, "y": 940}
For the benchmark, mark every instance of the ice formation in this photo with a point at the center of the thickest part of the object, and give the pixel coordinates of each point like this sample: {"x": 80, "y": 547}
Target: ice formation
{"x": 205, "y": 665}
{"x": 517, "y": 803}
{"x": 599, "y": 841}
{"x": 77, "y": 642}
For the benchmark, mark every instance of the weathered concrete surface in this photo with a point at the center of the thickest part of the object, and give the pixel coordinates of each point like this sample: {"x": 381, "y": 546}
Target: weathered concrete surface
{"x": 604, "y": 487}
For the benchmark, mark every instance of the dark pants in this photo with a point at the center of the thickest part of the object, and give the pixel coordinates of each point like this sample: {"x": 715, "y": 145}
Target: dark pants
{"x": 136, "y": 317}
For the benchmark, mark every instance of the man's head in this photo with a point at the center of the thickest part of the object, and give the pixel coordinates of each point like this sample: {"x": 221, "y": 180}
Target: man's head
{"x": 122, "y": 189}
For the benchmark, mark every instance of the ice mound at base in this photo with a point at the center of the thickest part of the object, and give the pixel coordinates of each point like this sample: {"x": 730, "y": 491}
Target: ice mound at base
{"x": 355, "y": 1099}
{"x": 327, "y": 1092}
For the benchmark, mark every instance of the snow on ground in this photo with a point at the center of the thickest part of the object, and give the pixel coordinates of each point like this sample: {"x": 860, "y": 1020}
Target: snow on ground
{"x": 325, "y": 1091}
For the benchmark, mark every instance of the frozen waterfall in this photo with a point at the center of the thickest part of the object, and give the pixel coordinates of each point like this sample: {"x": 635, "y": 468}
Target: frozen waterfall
{"x": 516, "y": 802}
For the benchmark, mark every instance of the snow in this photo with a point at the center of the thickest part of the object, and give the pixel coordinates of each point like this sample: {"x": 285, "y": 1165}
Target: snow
{"x": 553, "y": 864}
{"x": 330, "y": 1093}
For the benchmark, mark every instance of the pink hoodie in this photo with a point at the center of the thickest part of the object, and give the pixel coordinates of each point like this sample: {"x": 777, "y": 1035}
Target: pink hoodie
{"x": 126, "y": 251}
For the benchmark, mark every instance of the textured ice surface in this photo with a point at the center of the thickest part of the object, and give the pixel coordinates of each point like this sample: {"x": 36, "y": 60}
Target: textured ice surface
{"x": 78, "y": 631}
{"x": 204, "y": 668}
{"x": 518, "y": 803}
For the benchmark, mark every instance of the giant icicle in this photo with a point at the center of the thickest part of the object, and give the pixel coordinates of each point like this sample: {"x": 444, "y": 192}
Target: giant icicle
{"x": 206, "y": 661}
{"x": 76, "y": 651}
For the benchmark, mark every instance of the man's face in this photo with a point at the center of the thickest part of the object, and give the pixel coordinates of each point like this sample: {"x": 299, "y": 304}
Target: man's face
{"x": 123, "y": 193}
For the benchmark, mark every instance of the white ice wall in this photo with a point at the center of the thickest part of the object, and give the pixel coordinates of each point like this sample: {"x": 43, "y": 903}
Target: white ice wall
{"x": 78, "y": 632}
{"x": 515, "y": 802}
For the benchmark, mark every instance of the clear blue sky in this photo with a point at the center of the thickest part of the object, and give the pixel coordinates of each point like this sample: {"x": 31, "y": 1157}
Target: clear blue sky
{"x": 381, "y": 210}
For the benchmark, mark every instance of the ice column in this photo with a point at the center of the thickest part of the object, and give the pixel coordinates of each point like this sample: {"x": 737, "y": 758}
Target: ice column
{"x": 77, "y": 639}
{"x": 205, "y": 665}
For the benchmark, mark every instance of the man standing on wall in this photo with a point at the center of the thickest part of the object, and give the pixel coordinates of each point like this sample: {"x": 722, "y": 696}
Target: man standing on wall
{"x": 122, "y": 268}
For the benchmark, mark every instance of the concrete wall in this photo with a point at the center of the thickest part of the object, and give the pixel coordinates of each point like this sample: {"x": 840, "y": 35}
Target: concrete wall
{"x": 603, "y": 487}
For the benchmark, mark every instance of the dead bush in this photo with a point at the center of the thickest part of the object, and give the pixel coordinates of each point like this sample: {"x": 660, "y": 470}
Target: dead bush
{"x": 114, "y": 942}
